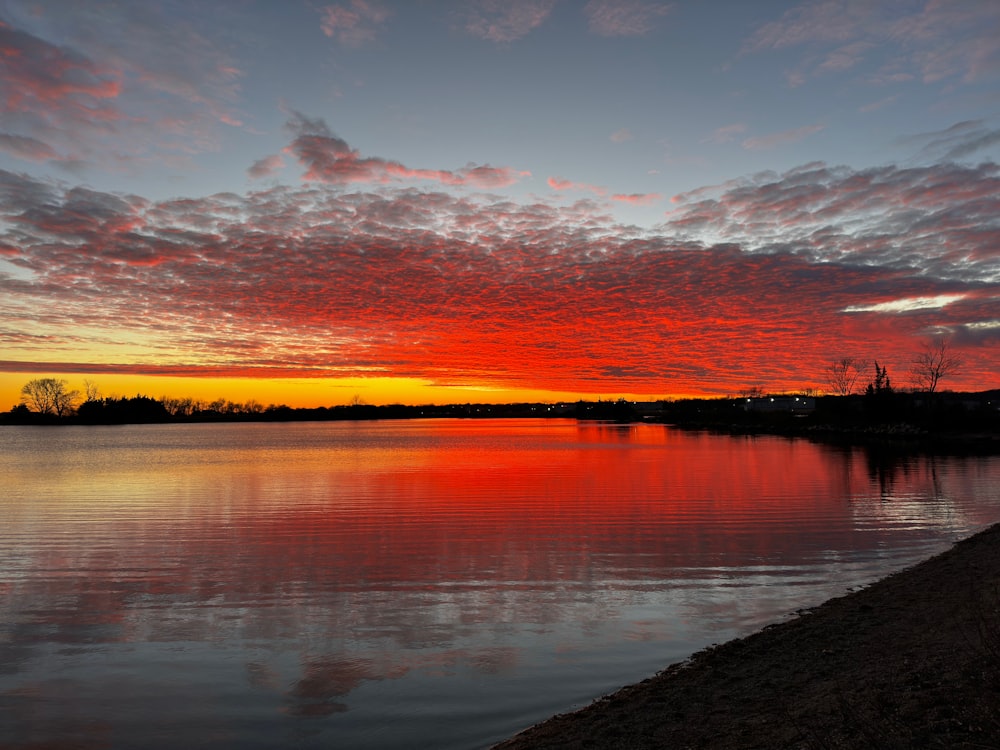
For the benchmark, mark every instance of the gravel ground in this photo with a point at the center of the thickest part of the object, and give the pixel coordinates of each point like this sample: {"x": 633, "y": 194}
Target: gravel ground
{"x": 912, "y": 661}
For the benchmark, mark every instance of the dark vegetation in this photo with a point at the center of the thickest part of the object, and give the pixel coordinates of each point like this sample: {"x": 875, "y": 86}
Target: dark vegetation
{"x": 879, "y": 416}
{"x": 143, "y": 409}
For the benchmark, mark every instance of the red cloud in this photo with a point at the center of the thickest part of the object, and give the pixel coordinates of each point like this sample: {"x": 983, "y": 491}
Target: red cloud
{"x": 485, "y": 176}
{"x": 558, "y": 183}
{"x": 39, "y": 75}
{"x": 769, "y": 279}
{"x": 636, "y": 199}
{"x": 328, "y": 158}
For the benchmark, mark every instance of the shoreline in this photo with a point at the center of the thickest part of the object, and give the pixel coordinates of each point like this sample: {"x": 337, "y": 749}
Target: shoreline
{"x": 912, "y": 660}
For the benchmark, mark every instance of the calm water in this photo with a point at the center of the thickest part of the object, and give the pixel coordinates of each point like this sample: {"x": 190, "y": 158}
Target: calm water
{"x": 435, "y": 584}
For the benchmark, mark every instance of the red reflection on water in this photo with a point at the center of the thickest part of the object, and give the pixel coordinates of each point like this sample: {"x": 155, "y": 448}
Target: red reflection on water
{"x": 624, "y": 502}
{"x": 503, "y": 503}
{"x": 391, "y": 553}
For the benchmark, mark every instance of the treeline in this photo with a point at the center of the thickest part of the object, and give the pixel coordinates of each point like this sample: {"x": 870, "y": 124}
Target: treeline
{"x": 141, "y": 409}
{"x": 875, "y": 413}
{"x": 52, "y": 401}
{"x": 878, "y": 408}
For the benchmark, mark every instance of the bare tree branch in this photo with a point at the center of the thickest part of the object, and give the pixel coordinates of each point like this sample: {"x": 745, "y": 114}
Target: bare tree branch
{"x": 842, "y": 374}
{"x": 932, "y": 364}
{"x": 49, "y": 396}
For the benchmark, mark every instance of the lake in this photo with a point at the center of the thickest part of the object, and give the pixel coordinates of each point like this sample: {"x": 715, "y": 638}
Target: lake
{"x": 428, "y": 583}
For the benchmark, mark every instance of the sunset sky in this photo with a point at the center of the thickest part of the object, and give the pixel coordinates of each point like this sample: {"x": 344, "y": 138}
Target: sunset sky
{"x": 494, "y": 200}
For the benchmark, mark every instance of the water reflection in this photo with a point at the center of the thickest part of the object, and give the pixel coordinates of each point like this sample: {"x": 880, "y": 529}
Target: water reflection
{"x": 376, "y": 584}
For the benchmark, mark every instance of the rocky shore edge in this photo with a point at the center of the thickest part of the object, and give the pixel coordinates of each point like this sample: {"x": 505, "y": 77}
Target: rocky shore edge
{"x": 911, "y": 661}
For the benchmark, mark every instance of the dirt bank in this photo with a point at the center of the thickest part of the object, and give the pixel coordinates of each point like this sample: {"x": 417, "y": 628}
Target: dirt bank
{"x": 912, "y": 661}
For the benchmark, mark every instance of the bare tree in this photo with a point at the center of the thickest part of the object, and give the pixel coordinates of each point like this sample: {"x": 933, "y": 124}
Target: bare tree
{"x": 225, "y": 406}
{"x": 844, "y": 373}
{"x": 91, "y": 391}
{"x": 177, "y": 407}
{"x": 253, "y": 407}
{"x": 49, "y": 396}
{"x": 935, "y": 361}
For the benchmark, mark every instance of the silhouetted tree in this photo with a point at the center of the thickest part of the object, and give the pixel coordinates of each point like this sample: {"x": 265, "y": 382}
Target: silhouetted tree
{"x": 843, "y": 374}
{"x": 880, "y": 385}
{"x": 135, "y": 410}
{"x": 880, "y": 399}
{"x": 90, "y": 391}
{"x": 934, "y": 362}
{"x": 279, "y": 412}
{"x": 49, "y": 396}
{"x": 178, "y": 407}
{"x": 253, "y": 407}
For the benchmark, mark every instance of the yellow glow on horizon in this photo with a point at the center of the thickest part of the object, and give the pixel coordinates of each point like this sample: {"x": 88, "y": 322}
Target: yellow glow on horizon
{"x": 298, "y": 392}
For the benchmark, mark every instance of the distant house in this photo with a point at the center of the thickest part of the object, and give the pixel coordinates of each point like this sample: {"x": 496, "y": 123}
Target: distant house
{"x": 785, "y": 404}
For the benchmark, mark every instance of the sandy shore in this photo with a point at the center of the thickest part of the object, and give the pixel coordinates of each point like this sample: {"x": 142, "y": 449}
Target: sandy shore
{"x": 912, "y": 661}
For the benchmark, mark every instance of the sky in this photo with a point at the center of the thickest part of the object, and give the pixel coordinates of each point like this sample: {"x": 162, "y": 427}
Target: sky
{"x": 310, "y": 203}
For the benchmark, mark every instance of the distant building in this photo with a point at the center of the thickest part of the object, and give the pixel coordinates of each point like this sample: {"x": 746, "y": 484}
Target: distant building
{"x": 786, "y": 404}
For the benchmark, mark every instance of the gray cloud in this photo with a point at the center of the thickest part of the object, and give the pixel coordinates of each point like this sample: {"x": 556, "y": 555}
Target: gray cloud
{"x": 624, "y": 17}
{"x": 931, "y": 42}
{"x": 959, "y": 141}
